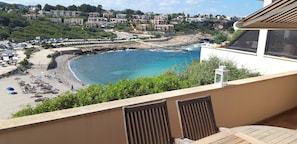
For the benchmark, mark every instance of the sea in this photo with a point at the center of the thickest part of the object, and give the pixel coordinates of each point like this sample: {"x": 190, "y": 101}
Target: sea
{"x": 112, "y": 66}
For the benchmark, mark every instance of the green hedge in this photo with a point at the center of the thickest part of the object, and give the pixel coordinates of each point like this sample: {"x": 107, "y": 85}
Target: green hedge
{"x": 198, "y": 73}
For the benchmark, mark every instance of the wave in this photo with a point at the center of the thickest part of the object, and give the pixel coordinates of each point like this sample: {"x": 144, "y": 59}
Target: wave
{"x": 177, "y": 50}
{"x": 131, "y": 49}
{"x": 155, "y": 50}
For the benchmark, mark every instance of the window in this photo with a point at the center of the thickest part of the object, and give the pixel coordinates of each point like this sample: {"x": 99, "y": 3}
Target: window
{"x": 247, "y": 41}
{"x": 282, "y": 43}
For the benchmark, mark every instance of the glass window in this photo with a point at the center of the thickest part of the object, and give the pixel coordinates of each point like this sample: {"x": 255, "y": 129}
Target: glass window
{"x": 247, "y": 41}
{"x": 282, "y": 43}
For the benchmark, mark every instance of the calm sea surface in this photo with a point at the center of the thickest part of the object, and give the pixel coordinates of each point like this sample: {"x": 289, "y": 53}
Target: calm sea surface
{"x": 129, "y": 64}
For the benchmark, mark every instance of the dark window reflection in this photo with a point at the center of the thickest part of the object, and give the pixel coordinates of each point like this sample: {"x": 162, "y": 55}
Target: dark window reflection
{"x": 247, "y": 41}
{"x": 282, "y": 43}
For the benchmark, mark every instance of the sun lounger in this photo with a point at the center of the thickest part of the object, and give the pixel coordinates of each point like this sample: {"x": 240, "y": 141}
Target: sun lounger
{"x": 41, "y": 99}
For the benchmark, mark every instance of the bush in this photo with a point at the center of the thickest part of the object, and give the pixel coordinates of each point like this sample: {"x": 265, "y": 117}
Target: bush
{"x": 220, "y": 37}
{"x": 235, "y": 35}
{"x": 202, "y": 73}
{"x": 28, "y": 52}
{"x": 198, "y": 73}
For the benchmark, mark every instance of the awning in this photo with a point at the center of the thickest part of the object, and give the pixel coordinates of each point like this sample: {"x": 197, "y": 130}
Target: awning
{"x": 281, "y": 14}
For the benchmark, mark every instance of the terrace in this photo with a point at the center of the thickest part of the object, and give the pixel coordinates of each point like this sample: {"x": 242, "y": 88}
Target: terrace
{"x": 242, "y": 102}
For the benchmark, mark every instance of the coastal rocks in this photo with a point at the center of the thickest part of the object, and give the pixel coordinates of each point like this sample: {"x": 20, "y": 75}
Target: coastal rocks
{"x": 102, "y": 49}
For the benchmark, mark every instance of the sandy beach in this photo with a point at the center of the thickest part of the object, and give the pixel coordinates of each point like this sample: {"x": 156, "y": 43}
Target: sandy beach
{"x": 60, "y": 79}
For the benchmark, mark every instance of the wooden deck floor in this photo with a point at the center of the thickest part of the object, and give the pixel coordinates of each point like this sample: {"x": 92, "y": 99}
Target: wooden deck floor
{"x": 287, "y": 119}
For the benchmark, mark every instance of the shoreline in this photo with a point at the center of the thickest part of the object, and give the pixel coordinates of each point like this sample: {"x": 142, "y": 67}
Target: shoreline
{"x": 63, "y": 69}
{"x": 61, "y": 77}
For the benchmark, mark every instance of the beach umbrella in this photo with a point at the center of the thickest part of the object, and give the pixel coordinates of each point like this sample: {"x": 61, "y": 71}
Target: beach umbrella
{"x": 10, "y": 88}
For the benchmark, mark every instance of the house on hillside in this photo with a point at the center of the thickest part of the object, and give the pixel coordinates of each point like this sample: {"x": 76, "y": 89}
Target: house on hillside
{"x": 96, "y": 21}
{"x": 165, "y": 27}
{"x": 74, "y": 21}
{"x": 141, "y": 19}
{"x": 108, "y": 14}
{"x": 121, "y": 16}
{"x": 55, "y": 20}
{"x": 64, "y": 13}
{"x": 32, "y": 16}
{"x": 118, "y": 21}
{"x": 94, "y": 14}
{"x": 33, "y": 9}
{"x": 195, "y": 19}
{"x": 143, "y": 27}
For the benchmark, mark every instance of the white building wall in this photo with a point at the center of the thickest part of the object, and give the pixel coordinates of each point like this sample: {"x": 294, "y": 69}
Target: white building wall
{"x": 263, "y": 35}
{"x": 262, "y": 42}
{"x": 265, "y": 65}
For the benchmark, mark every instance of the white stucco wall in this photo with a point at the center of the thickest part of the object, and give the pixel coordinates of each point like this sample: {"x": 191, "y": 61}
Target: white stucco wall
{"x": 265, "y": 65}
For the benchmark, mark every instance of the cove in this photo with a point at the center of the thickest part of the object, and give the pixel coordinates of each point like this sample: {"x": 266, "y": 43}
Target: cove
{"x": 113, "y": 66}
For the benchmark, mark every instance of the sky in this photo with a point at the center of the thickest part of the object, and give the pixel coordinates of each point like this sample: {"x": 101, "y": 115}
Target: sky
{"x": 226, "y": 7}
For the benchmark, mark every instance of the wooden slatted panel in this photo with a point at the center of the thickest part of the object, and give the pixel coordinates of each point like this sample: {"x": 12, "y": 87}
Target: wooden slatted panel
{"x": 271, "y": 7}
{"x": 284, "y": 16}
{"x": 197, "y": 118}
{"x": 147, "y": 124}
{"x": 288, "y": 17}
{"x": 280, "y": 14}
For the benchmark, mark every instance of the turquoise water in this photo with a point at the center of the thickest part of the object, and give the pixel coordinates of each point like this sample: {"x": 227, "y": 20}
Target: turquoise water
{"x": 130, "y": 64}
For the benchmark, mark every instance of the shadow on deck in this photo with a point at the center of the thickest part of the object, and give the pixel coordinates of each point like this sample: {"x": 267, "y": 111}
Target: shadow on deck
{"x": 286, "y": 119}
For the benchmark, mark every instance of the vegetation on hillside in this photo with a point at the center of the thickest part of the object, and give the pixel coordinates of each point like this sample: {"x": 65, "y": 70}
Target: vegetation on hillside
{"x": 197, "y": 73}
{"x": 15, "y": 27}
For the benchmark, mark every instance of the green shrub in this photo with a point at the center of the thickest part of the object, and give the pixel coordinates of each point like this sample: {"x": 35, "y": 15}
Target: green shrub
{"x": 235, "y": 35}
{"x": 197, "y": 73}
{"x": 202, "y": 73}
{"x": 220, "y": 37}
{"x": 28, "y": 52}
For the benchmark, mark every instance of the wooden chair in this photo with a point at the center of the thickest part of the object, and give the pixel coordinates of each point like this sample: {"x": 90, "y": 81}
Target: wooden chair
{"x": 147, "y": 124}
{"x": 197, "y": 117}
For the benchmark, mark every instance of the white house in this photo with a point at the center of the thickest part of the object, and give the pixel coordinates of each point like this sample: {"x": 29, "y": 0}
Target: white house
{"x": 74, "y": 21}
{"x": 196, "y": 20}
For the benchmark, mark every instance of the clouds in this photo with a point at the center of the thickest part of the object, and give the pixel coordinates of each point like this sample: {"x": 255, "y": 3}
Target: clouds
{"x": 162, "y": 3}
{"x": 194, "y": 1}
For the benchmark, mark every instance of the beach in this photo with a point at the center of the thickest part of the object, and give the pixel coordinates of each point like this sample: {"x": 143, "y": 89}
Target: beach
{"x": 59, "y": 79}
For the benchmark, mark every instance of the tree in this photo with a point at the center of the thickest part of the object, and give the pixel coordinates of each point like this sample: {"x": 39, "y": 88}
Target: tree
{"x": 99, "y": 9}
{"x": 4, "y": 35}
{"x": 129, "y": 13}
{"x": 139, "y": 12}
{"x": 39, "y": 6}
{"x": 14, "y": 6}
{"x": 48, "y": 7}
{"x": 60, "y": 7}
{"x": 87, "y": 8}
{"x": 72, "y": 8}
{"x": 221, "y": 37}
{"x": 4, "y": 19}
